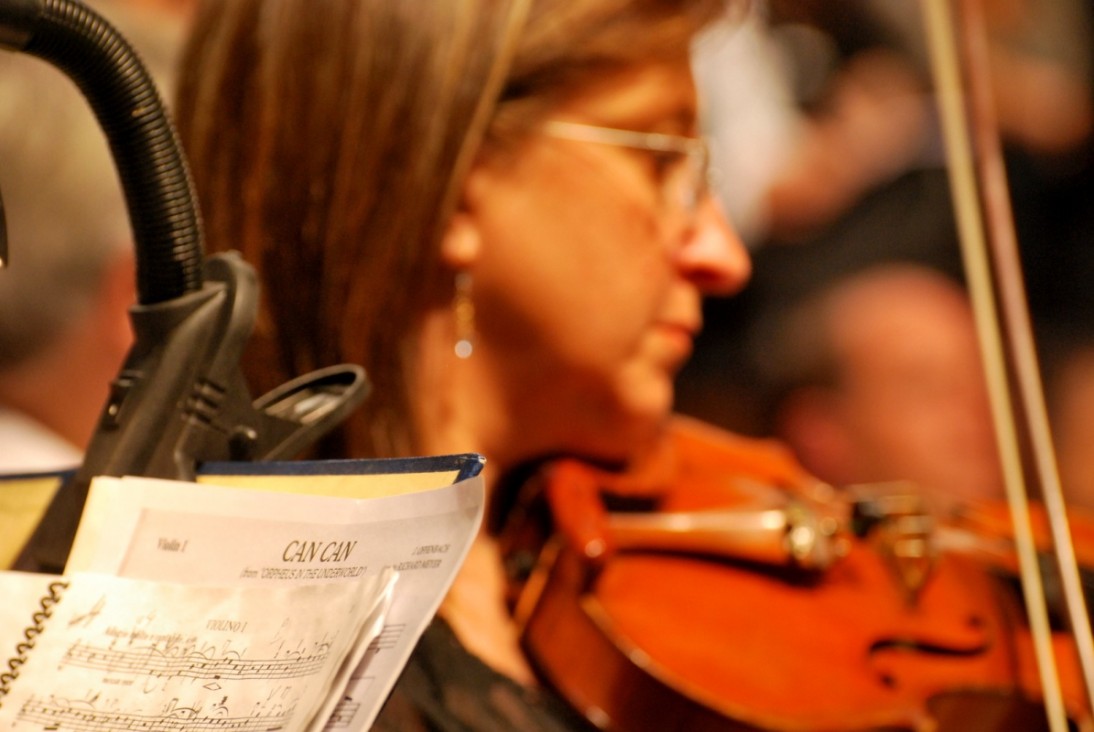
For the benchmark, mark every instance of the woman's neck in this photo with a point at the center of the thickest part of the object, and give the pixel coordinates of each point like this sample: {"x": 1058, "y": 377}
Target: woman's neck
{"x": 461, "y": 414}
{"x": 462, "y": 409}
{"x": 475, "y": 608}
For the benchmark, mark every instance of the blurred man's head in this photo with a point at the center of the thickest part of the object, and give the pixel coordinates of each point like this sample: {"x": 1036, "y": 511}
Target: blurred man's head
{"x": 882, "y": 381}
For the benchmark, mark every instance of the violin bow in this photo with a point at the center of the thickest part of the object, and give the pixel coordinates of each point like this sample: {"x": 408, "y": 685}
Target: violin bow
{"x": 997, "y": 227}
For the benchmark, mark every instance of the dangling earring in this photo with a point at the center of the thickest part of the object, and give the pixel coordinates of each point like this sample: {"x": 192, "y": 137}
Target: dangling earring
{"x": 464, "y": 310}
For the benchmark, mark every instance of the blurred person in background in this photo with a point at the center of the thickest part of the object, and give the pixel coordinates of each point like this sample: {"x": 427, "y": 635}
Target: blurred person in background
{"x": 64, "y": 297}
{"x": 70, "y": 280}
{"x": 877, "y": 377}
{"x": 859, "y": 178}
{"x": 840, "y": 104}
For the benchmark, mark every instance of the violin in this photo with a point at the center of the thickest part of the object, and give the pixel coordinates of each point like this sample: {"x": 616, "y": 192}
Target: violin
{"x": 813, "y": 612}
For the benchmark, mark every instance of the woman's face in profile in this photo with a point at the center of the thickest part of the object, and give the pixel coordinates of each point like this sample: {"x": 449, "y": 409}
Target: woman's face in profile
{"x": 587, "y": 280}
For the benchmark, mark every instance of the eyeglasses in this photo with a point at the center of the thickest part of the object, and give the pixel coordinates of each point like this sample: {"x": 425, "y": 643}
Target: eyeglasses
{"x": 683, "y": 186}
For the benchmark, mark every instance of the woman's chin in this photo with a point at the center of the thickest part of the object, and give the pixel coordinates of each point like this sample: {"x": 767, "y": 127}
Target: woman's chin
{"x": 645, "y": 420}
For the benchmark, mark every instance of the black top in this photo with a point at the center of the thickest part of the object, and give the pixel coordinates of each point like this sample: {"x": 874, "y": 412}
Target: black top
{"x": 444, "y": 688}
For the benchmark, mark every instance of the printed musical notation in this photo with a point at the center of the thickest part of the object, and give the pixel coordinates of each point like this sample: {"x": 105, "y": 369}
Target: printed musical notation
{"x": 161, "y": 663}
{"x": 388, "y": 638}
{"x": 344, "y": 715}
{"x": 125, "y": 654}
{"x": 84, "y": 716}
{"x": 148, "y": 528}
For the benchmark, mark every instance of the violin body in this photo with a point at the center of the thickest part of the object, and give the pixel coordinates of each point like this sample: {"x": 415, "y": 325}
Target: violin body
{"x": 639, "y": 637}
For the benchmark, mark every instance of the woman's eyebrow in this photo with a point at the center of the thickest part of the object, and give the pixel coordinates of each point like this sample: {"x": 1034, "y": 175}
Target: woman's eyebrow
{"x": 670, "y": 116}
{"x": 679, "y": 121}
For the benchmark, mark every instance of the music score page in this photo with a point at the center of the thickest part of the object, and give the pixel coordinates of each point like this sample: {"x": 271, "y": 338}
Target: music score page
{"x": 118, "y": 654}
{"x": 200, "y": 533}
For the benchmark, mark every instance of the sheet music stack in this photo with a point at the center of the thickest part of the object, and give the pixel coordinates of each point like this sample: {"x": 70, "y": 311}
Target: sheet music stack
{"x": 218, "y": 606}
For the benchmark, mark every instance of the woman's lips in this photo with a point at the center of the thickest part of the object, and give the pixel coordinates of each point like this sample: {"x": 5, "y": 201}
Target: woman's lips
{"x": 680, "y": 337}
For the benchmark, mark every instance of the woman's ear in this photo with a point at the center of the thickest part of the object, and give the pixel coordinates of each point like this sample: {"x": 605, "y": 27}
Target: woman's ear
{"x": 462, "y": 241}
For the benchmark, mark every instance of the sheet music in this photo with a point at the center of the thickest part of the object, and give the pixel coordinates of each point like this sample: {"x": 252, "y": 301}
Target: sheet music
{"x": 122, "y": 654}
{"x": 200, "y": 533}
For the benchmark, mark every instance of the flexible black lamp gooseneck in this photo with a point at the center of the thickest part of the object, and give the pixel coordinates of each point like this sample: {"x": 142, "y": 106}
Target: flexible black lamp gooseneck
{"x": 180, "y": 398}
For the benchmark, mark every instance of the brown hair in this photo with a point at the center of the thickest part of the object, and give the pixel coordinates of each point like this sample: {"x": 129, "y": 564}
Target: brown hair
{"x": 329, "y": 141}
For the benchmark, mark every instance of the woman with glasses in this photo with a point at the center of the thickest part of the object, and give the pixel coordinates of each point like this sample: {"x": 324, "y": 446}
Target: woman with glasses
{"x": 500, "y": 209}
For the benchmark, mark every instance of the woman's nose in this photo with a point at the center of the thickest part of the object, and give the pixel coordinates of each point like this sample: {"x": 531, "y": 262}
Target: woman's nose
{"x": 713, "y": 256}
